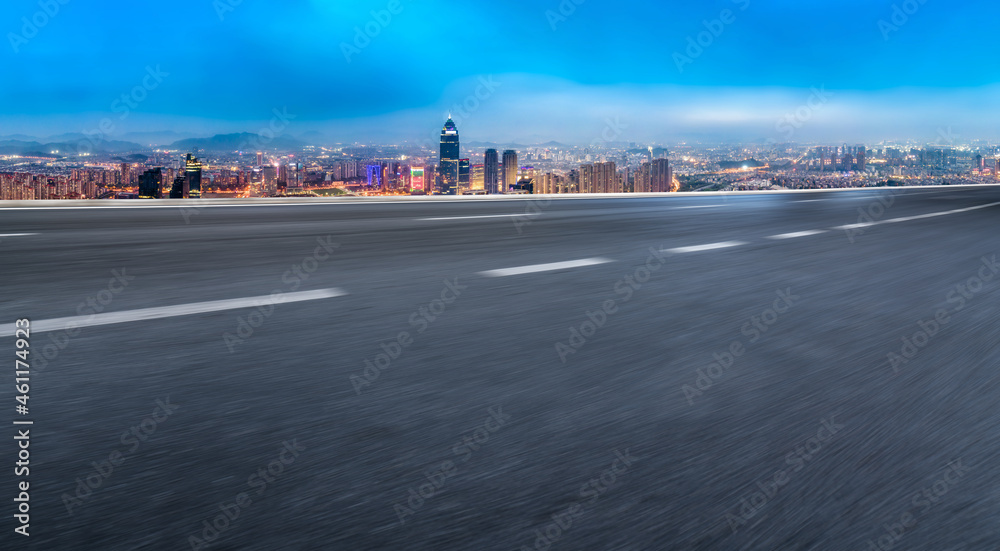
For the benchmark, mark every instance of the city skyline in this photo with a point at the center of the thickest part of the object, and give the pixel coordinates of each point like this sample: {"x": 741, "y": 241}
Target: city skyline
{"x": 606, "y": 167}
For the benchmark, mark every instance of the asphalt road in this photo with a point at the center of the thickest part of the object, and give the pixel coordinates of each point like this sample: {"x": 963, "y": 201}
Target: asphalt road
{"x": 576, "y": 406}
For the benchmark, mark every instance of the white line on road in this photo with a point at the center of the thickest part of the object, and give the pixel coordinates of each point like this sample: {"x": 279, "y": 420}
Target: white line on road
{"x": 482, "y": 216}
{"x": 701, "y": 207}
{"x": 811, "y": 201}
{"x": 699, "y": 248}
{"x": 806, "y": 233}
{"x": 16, "y": 234}
{"x": 545, "y": 267}
{"x": 171, "y": 311}
{"x": 909, "y": 218}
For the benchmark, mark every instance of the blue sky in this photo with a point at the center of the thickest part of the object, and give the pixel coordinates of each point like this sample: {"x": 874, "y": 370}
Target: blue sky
{"x": 563, "y": 73}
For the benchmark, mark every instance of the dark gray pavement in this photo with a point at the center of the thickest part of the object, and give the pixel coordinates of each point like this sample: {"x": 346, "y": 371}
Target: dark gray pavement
{"x": 809, "y": 439}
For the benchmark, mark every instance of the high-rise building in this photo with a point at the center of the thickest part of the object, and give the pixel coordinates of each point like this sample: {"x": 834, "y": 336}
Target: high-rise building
{"x": 430, "y": 177}
{"x": 980, "y": 163}
{"x": 491, "y": 172}
{"x": 260, "y": 158}
{"x": 862, "y": 158}
{"x": 293, "y": 183}
{"x": 449, "y": 159}
{"x": 126, "y": 174}
{"x": 605, "y": 178}
{"x": 654, "y": 177}
{"x": 192, "y": 177}
{"x": 375, "y": 176}
{"x": 392, "y": 174}
{"x": 177, "y": 190}
{"x": 996, "y": 171}
{"x": 477, "y": 178}
{"x": 463, "y": 175}
{"x": 151, "y": 183}
{"x": 641, "y": 184}
{"x": 662, "y": 176}
{"x": 509, "y": 171}
{"x": 544, "y": 184}
{"x": 586, "y": 179}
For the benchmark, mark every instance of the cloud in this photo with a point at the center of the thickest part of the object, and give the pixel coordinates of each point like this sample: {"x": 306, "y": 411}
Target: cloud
{"x": 534, "y": 108}
{"x": 557, "y": 109}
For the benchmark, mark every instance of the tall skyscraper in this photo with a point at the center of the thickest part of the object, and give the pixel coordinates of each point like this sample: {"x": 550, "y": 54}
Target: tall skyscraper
{"x": 509, "y": 171}
{"x": 260, "y": 158}
{"x": 192, "y": 177}
{"x": 463, "y": 175}
{"x": 151, "y": 183}
{"x": 862, "y": 158}
{"x": 491, "y": 172}
{"x": 448, "y": 165}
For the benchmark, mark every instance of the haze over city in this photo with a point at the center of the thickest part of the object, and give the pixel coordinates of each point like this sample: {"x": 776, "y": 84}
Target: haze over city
{"x": 561, "y": 69}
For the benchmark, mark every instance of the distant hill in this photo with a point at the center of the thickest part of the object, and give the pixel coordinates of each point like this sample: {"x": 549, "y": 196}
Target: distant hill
{"x": 77, "y": 143}
{"x": 244, "y": 141}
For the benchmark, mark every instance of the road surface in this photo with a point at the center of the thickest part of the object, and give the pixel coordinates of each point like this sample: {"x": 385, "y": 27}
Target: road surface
{"x": 717, "y": 372}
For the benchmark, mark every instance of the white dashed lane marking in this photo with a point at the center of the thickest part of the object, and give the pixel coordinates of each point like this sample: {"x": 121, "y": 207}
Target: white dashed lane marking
{"x": 909, "y": 218}
{"x": 75, "y": 322}
{"x": 545, "y": 267}
{"x": 794, "y": 235}
{"x": 708, "y": 247}
{"x": 483, "y": 216}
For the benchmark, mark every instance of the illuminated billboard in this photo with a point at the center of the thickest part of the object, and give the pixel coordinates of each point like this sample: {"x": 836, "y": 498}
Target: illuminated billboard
{"x": 417, "y": 179}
